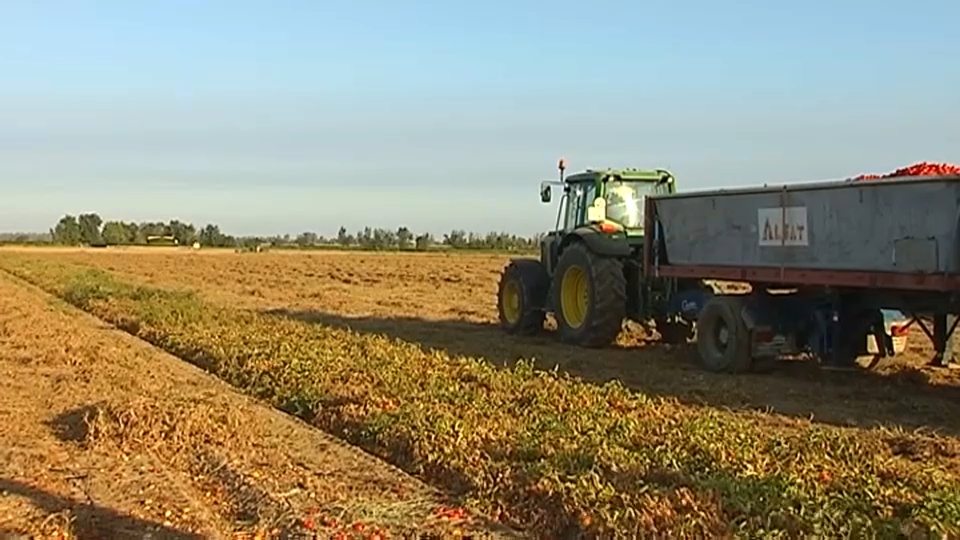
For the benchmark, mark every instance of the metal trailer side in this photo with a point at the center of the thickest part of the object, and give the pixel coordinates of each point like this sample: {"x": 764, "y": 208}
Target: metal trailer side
{"x": 849, "y": 249}
{"x": 898, "y": 233}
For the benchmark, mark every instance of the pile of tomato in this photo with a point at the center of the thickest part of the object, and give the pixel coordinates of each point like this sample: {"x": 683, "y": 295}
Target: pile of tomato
{"x": 917, "y": 169}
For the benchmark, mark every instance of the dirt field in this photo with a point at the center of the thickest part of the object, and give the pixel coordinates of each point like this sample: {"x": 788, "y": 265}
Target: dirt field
{"x": 443, "y": 303}
{"x": 107, "y": 437}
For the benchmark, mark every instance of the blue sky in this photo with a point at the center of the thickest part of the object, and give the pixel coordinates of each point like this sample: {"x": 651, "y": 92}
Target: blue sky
{"x": 273, "y": 117}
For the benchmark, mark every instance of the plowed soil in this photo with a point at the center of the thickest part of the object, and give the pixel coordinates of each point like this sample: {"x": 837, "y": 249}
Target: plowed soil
{"x": 105, "y": 436}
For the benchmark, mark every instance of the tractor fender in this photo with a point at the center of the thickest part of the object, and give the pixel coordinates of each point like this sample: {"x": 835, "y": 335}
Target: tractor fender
{"x": 597, "y": 242}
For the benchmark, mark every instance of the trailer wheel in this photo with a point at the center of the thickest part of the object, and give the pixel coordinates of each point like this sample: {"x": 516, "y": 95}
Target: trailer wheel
{"x": 589, "y": 297}
{"x": 521, "y": 296}
{"x": 723, "y": 339}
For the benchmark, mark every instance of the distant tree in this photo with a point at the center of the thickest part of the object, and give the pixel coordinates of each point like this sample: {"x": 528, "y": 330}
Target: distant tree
{"x": 378, "y": 240}
{"x": 211, "y": 236}
{"x": 115, "y": 233}
{"x": 404, "y": 238}
{"x": 67, "y": 231}
{"x": 307, "y": 239}
{"x": 149, "y": 229}
{"x": 424, "y": 241}
{"x": 183, "y": 233}
{"x": 456, "y": 238}
{"x": 27, "y": 237}
{"x": 343, "y": 237}
{"x": 535, "y": 240}
{"x": 131, "y": 232}
{"x": 384, "y": 239}
{"x": 90, "y": 228}
{"x": 365, "y": 238}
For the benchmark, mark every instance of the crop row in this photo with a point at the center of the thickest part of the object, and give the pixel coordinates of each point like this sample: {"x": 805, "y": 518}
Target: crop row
{"x": 539, "y": 449}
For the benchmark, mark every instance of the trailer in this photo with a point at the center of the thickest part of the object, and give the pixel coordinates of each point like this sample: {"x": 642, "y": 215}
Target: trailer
{"x": 829, "y": 265}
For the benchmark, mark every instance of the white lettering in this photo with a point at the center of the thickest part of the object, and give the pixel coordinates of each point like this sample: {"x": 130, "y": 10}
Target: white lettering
{"x": 782, "y": 226}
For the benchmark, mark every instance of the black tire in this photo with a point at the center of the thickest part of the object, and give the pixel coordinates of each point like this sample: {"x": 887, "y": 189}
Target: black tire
{"x": 607, "y": 297}
{"x": 723, "y": 312}
{"x": 533, "y": 284}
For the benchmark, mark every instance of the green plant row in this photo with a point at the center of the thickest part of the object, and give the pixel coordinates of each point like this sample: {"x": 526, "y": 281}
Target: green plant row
{"x": 540, "y": 450}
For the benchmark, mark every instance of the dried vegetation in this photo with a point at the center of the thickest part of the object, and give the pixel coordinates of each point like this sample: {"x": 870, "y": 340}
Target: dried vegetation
{"x": 396, "y": 354}
{"x": 106, "y": 437}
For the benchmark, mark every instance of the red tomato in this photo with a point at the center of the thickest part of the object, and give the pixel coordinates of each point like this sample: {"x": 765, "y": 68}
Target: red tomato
{"x": 917, "y": 169}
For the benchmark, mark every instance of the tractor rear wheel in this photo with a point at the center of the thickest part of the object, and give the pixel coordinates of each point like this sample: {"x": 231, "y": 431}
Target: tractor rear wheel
{"x": 589, "y": 297}
{"x": 522, "y": 295}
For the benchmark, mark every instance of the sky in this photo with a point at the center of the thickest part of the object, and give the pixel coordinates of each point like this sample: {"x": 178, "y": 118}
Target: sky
{"x": 291, "y": 116}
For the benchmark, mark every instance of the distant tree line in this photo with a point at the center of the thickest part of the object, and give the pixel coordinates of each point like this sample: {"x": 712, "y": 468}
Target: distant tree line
{"x": 91, "y": 230}
{"x": 403, "y": 238}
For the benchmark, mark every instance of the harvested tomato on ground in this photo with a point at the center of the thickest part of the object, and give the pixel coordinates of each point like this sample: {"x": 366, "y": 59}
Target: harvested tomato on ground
{"x": 451, "y": 513}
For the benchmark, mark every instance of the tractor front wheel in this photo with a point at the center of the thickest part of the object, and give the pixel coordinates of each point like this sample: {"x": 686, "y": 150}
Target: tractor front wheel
{"x": 589, "y": 297}
{"x": 522, "y": 295}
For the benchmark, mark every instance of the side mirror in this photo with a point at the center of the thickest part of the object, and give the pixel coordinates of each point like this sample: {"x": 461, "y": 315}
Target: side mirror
{"x": 545, "y": 193}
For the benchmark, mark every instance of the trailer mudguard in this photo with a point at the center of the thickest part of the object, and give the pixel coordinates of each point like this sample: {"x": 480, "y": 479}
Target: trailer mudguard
{"x": 688, "y": 303}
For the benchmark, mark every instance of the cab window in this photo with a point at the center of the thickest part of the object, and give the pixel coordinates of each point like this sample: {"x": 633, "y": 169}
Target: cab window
{"x": 581, "y": 196}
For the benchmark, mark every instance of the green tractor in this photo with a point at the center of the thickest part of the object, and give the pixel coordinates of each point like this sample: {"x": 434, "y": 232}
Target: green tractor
{"x": 590, "y": 271}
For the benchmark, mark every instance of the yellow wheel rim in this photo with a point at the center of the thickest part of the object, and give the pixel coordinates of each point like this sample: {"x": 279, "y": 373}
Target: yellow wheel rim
{"x": 511, "y": 302}
{"x": 574, "y": 296}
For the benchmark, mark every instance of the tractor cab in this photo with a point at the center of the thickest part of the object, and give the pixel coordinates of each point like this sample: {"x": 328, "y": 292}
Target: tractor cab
{"x": 608, "y": 201}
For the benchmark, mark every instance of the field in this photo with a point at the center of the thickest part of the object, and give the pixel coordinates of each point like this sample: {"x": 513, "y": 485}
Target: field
{"x": 398, "y": 354}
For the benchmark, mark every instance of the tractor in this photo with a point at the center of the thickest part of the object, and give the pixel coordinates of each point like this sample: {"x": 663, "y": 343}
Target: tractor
{"x": 590, "y": 271}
